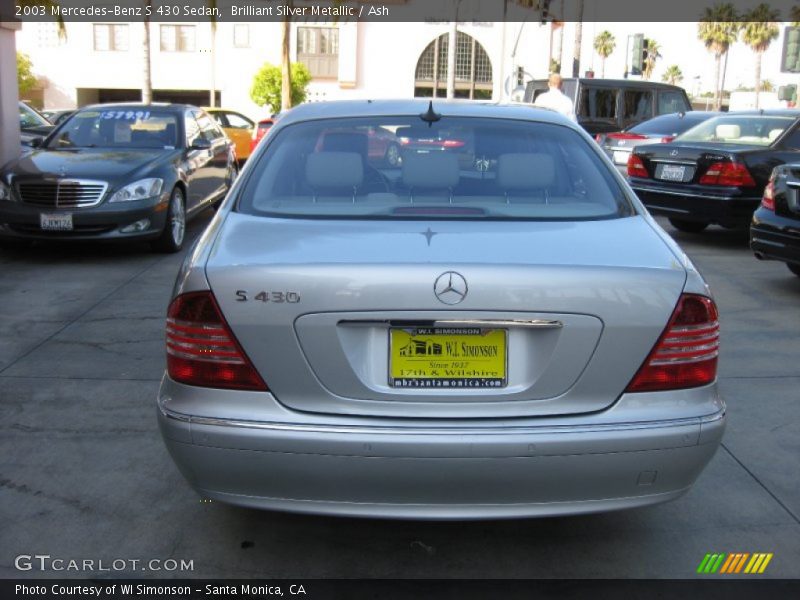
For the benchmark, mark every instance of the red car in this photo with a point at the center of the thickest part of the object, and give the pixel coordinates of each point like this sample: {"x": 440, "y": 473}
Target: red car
{"x": 260, "y": 130}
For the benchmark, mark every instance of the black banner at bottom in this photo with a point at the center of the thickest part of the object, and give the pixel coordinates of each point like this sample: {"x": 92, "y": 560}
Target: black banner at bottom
{"x": 387, "y": 589}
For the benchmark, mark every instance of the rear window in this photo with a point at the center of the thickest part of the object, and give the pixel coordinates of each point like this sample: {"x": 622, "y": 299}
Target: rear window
{"x": 670, "y": 102}
{"x": 472, "y": 168}
{"x": 750, "y": 130}
{"x": 598, "y": 103}
{"x": 668, "y": 124}
{"x": 637, "y": 104}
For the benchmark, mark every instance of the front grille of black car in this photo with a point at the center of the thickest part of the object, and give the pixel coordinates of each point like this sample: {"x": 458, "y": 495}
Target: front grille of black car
{"x": 63, "y": 193}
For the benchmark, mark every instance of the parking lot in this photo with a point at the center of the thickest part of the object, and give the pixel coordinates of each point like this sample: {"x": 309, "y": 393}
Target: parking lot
{"x": 84, "y": 473}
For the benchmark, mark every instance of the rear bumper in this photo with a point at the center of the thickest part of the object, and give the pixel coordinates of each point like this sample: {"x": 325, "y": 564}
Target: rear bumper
{"x": 775, "y": 237}
{"x": 732, "y": 211}
{"x": 534, "y": 467}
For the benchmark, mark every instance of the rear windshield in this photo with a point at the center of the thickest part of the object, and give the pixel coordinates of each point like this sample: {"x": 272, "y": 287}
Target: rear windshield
{"x": 668, "y": 124}
{"x": 400, "y": 167}
{"x": 750, "y": 130}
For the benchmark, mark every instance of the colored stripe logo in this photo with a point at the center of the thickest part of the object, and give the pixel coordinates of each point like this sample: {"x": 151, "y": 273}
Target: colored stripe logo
{"x": 734, "y": 563}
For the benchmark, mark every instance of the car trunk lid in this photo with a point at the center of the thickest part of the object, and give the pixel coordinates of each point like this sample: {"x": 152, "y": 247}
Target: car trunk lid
{"x": 313, "y": 304}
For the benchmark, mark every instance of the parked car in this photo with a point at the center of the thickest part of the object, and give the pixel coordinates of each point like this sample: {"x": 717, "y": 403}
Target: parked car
{"x": 381, "y": 144}
{"x": 260, "y": 130}
{"x": 606, "y": 105}
{"x": 661, "y": 129}
{"x": 237, "y": 127}
{"x": 55, "y": 116}
{"x": 775, "y": 230}
{"x": 715, "y": 172}
{"x": 118, "y": 172}
{"x": 448, "y": 341}
{"x": 33, "y": 126}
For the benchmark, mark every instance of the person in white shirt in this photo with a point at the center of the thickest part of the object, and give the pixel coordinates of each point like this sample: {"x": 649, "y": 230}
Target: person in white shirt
{"x": 555, "y": 98}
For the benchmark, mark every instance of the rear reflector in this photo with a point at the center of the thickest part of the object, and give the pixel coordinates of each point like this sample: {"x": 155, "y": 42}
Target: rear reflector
{"x": 685, "y": 355}
{"x": 636, "y": 167}
{"x": 626, "y": 136}
{"x": 728, "y": 173}
{"x": 201, "y": 349}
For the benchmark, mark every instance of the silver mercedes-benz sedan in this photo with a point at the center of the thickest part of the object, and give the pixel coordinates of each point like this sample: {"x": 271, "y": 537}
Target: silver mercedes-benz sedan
{"x": 489, "y": 326}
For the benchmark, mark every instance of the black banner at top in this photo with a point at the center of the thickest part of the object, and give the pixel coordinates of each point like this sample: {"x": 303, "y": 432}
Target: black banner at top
{"x": 380, "y": 11}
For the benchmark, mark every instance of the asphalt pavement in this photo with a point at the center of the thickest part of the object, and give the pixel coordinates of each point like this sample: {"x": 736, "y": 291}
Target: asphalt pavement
{"x": 84, "y": 474}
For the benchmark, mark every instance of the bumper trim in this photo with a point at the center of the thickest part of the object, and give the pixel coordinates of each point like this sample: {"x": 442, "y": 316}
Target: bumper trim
{"x": 458, "y": 431}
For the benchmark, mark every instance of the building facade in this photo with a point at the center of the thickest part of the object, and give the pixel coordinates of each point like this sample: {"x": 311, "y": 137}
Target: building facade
{"x": 102, "y": 62}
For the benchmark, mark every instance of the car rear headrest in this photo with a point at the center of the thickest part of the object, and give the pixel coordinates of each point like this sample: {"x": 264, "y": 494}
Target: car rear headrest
{"x": 433, "y": 171}
{"x": 334, "y": 170}
{"x": 727, "y": 132}
{"x": 773, "y": 133}
{"x": 525, "y": 171}
{"x": 346, "y": 141}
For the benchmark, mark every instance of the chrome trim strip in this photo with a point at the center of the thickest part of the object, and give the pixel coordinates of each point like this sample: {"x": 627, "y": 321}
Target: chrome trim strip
{"x": 502, "y": 430}
{"x": 689, "y": 194}
{"x": 485, "y": 323}
{"x": 794, "y": 184}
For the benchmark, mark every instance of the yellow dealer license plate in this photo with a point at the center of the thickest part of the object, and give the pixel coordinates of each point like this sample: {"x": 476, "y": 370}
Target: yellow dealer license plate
{"x": 449, "y": 358}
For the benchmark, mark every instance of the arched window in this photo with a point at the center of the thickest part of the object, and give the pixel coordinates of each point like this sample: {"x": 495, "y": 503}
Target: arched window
{"x": 473, "y": 69}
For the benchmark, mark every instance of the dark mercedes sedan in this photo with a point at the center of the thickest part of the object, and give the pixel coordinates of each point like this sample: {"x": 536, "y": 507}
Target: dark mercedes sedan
{"x": 715, "y": 172}
{"x": 118, "y": 172}
{"x": 775, "y": 230}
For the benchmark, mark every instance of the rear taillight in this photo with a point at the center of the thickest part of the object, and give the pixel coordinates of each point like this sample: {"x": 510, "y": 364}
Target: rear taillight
{"x": 768, "y": 199}
{"x": 201, "y": 349}
{"x": 667, "y": 139}
{"x": 636, "y": 167}
{"x": 685, "y": 355}
{"x": 598, "y": 138}
{"x": 453, "y": 144}
{"x": 728, "y": 173}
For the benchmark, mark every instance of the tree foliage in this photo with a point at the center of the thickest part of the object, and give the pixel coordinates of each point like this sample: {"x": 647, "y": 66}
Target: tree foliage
{"x": 26, "y": 80}
{"x": 718, "y": 29}
{"x": 653, "y": 54}
{"x": 266, "y": 89}
{"x": 760, "y": 27}
{"x": 604, "y": 45}
{"x": 673, "y": 75}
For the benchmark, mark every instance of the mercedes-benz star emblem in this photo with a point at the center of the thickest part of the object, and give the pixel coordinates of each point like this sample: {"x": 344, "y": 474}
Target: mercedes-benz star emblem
{"x": 450, "y": 287}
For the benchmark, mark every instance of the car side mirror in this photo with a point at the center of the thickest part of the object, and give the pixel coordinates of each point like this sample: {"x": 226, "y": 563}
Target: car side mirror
{"x": 34, "y": 142}
{"x": 201, "y": 144}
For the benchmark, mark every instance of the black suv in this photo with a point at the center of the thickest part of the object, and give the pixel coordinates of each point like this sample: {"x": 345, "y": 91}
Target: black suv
{"x": 606, "y": 105}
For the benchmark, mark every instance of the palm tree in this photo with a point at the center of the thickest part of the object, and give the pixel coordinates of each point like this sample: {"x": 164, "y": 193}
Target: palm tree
{"x": 604, "y": 44}
{"x": 147, "y": 79}
{"x": 286, "y": 73}
{"x": 760, "y": 28}
{"x": 652, "y": 47}
{"x": 212, "y": 93}
{"x": 672, "y": 75}
{"x": 576, "y": 55}
{"x": 718, "y": 29}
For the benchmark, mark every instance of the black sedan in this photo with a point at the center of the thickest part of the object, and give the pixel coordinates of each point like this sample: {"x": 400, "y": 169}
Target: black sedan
{"x": 715, "y": 172}
{"x": 775, "y": 230}
{"x": 118, "y": 172}
{"x": 661, "y": 129}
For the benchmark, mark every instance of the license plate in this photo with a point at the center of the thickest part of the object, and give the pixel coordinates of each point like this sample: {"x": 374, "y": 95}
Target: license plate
{"x": 673, "y": 172}
{"x": 448, "y": 358}
{"x": 56, "y": 222}
{"x": 621, "y": 157}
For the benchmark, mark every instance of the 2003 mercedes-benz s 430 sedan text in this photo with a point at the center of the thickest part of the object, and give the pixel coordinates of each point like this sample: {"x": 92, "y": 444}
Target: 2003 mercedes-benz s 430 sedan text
{"x": 499, "y": 330}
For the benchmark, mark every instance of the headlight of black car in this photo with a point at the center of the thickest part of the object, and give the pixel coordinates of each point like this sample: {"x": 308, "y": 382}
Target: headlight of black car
{"x": 138, "y": 190}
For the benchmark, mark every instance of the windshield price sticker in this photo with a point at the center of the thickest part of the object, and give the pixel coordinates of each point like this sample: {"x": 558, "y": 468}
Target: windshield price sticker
{"x": 127, "y": 115}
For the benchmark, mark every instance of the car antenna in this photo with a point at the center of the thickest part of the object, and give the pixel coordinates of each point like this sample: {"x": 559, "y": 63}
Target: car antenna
{"x": 430, "y": 116}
